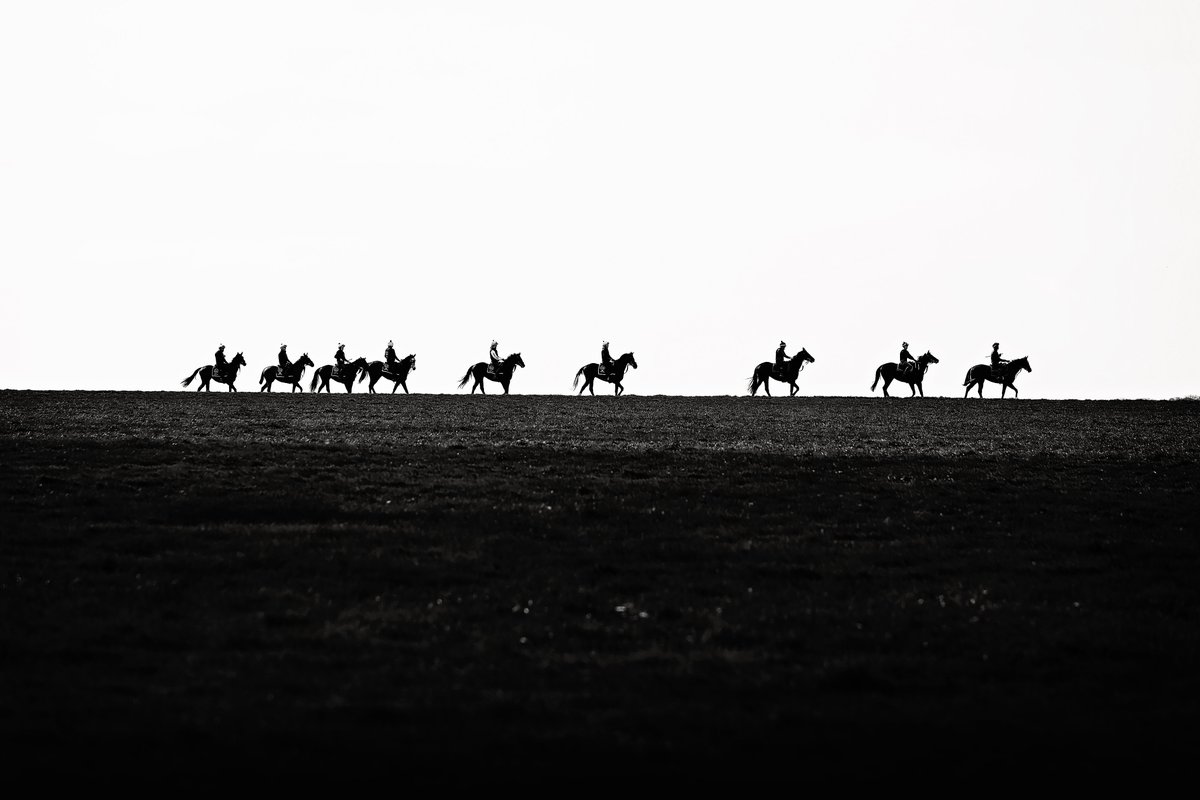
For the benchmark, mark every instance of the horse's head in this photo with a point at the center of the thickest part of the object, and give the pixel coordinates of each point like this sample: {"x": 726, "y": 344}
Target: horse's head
{"x": 411, "y": 358}
{"x": 359, "y": 363}
{"x": 305, "y": 360}
{"x": 1022, "y": 363}
{"x": 928, "y": 358}
{"x": 804, "y": 355}
{"x": 628, "y": 357}
{"x": 515, "y": 360}
{"x": 238, "y": 361}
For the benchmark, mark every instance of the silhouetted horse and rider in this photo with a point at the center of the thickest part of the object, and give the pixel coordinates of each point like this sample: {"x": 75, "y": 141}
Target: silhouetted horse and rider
{"x": 395, "y": 371}
{"x": 498, "y": 370}
{"x": 908, "y": 370}
{"x": 343, "y": 371}
{"x": 785, "y": 370}
{"x": 222, "y": 372}
{"x": 606, "y": 370}
{"x": 1001, "y": 371}
{"x": 290, "y": 372}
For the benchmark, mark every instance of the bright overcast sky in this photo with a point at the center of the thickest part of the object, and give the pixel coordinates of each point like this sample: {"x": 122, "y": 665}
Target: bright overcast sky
{"x": 693, "y": 181}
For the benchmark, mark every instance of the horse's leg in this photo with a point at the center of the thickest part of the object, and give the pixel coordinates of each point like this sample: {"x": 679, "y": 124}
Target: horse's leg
{"x": 1013, "y": 386}
{"x": 792, "y": 392}
{"x": 886, "y": 383}
{"x": 921, "y": 386}
{"x": 913, "y": 386}
{"x": 505, "y": 385}
{"x": 1003, "y": 389}
{"x": 767, "y": 385}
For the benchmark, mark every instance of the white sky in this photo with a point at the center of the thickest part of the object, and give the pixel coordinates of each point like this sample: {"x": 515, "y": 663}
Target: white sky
{"x": 693, "y": 181}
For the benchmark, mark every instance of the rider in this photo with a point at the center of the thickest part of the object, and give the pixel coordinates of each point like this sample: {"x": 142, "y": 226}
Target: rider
{"x": 219, "y": 357}
{"x": 605, "y": 357}
{"x": 906, "y": 357}
{"x": 494, "y": 355}
{"x": 997, "y": 361}
{"x": 389, "y": 354}
{"x": 283, "y": 357}
{"x": 781, "y": 354}
{"x": 340, "y": 355}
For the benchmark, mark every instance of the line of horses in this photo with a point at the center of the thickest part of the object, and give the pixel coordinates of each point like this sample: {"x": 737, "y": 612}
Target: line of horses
{"x": 359, "y": 370}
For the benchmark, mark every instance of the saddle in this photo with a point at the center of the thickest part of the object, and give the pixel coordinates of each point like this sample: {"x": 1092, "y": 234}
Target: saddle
{"x": 340, "y": 370}
{"x": 603, "y": 370}
{"x": 286, "y": 370}
{"x": 495, "y": 368}
{"x": 220, "y": 372}
{"x": 391, "y": 368}
{"x": 908, "y": 366}
{"x": 779, "y": 372}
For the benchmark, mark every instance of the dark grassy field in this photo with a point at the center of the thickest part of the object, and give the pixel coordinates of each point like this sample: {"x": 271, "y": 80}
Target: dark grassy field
{"x": 475, "y": 587}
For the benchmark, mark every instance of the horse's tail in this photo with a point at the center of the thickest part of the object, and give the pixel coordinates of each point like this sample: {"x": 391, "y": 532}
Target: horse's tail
{"x": 967, "y": 380}
{"x": 753, "y": 384}
{"x": 263, "y": 377}
{"x": 316, "y": 377}
{"x": 878, "y": 375}
{"x": 188, "y": 380}
{"x": 362, "y": 375}
{"x": 575, "y": 382}
{"x": 466, "y": 377}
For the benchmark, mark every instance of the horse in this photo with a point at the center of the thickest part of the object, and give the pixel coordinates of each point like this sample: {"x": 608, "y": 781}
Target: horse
{"x": 791, "y": 370}
{"x": 398, "y": 374}
{"x": 503, "y": 374}
{"x": 614, "y": 375}
{"x": 349, "y": 373}
{"x": 293, "y": 374}
{"x": 913, "y": 376}
{"x": 208, "y": 373}
{"x": 1004, "y": 374}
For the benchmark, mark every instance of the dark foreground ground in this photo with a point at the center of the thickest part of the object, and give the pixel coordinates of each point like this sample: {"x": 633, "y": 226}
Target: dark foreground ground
{"x": 499, "y": 587}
